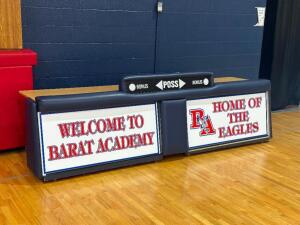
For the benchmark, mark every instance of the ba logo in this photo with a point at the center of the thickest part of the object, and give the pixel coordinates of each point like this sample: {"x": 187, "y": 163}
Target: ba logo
{"x": 202, "y": 122}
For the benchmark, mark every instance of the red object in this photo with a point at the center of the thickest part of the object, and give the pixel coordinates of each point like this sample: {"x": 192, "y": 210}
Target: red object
{"x": 15, "y": 75}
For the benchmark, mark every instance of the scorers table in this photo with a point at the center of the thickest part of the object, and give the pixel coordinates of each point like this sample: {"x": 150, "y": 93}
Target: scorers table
{"x": 75, "y": 131}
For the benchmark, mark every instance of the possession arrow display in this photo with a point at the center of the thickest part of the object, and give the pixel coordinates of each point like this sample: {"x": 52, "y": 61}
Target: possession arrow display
{"x": 170, "y": 84}
{"x": 158, "y": 83}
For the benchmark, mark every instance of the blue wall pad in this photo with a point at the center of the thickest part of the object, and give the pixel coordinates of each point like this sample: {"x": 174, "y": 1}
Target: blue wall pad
{"x": 96, "y": 42}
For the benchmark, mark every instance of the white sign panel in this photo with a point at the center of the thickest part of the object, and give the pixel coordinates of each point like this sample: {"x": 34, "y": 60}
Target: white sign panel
{"x": 216, "y": 121}
{"x": 261, "y": 12}
{"x": 78, "y": 139}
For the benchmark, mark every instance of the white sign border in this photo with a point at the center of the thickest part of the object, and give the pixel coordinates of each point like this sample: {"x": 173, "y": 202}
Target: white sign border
{"x": 238, "y": 141}
{"x": 40, "y": 126}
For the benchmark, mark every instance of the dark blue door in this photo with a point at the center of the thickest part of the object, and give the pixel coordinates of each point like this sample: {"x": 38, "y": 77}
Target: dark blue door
{"x": 209, "y": 35}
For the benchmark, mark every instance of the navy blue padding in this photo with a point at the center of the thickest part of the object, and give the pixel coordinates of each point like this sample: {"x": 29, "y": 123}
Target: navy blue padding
{"x": 33, "y": 152}
{"x": 172, "y": 118}
{"x": 79, "y": 102}
{"x": 210, "y": 35}
{"x": 173, "y": 127}
{"x": 89, "y": 42}
{"x": 98, "y": 42}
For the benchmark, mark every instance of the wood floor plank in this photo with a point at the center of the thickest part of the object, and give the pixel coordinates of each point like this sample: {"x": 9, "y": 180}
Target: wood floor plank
{"x": 250, "y": 185}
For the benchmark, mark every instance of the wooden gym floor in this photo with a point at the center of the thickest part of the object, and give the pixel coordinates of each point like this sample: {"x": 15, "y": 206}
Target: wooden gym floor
{"x": 257, "y": 184}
